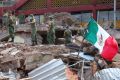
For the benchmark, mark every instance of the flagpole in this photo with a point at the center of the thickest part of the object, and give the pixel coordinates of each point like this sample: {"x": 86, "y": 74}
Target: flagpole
{"x": 114, "y": 13}
{"x": 98, "y": 16}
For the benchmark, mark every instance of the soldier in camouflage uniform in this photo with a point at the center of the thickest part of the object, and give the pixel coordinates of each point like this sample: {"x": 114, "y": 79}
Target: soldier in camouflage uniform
{"x": 33, "y": 30}
{"x": 5, "y": 19}
{"x": 51, "y": 32}
{"x": 68, "y": 35}
{"x": 11, "y": 25}
{"x": 81, "y": 32}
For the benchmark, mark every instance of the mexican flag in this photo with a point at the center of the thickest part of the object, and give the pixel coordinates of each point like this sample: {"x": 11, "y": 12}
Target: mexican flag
{"x": 97, "y": 36}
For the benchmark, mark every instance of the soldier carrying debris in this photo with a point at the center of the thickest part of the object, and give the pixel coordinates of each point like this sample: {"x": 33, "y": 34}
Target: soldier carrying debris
{"x": 51, "y": 31}
{"x": 11, "y": 25}
{"x": 33, "y": 30}
{"x": 68, "y": 35}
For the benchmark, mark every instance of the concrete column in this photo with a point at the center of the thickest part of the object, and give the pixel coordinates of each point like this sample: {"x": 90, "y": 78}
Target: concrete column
{"x": 114, "y": 13}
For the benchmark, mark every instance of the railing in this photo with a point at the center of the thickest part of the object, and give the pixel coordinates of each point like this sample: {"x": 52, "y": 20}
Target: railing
{"x": 105, "y": 1}
{"x": 35, "y": 4}
{"x": 40, "y": 4}
{"x": 66, "y": 3}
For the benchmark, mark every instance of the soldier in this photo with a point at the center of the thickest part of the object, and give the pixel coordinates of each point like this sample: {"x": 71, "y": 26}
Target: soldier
{"x": 81, "y": 32}
{"x": 68, "y": 35}
{"x": 51, "y": 32}
{"x": 11, "y": 24}
{"x": 5, "y": 19}
{"x": 33, "y": 30}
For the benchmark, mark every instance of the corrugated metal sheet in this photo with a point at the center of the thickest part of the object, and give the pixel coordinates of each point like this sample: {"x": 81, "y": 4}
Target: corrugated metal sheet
{"x": 82, "y": 55}
{"x": 108, "y": 74}
{"x": 53, "y": 70}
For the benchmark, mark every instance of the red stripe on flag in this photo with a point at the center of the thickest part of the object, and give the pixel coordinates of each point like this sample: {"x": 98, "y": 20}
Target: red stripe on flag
{"x": 110, "y": 49}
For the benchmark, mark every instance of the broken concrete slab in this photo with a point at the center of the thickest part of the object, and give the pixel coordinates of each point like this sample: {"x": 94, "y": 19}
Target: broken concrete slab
{"x": 19, "y": 39}
{"x": 34, "y": 56}
{"x": 6, "y": 51}
{"x": 2, "y": 45}
{"x": 15, "y": 52}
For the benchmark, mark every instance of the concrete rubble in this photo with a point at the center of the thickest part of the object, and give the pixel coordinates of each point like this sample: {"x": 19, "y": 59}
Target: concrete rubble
{"x": 21, "y": 58}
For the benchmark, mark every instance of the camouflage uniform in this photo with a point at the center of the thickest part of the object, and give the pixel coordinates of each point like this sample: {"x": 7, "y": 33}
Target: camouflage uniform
{"x": 5, "y": 19}
{"x": 81, "y": 32}
{"x": 51, "y": 33}
{"x": 21, "y": 18}
{"x": 11, "y": 24}
{"x": 68, "y": 36}
{"x": 33, "y": 30}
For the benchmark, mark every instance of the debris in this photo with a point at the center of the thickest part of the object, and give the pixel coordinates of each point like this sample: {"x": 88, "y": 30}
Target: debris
{"x": 82, "y": 55}
{"x": 107, "y": 74}
{"x": 54, "y": 70}
{"x": 116, "y": 58}
{"x": 74, "y": 59}
{"x": 15, "y": 52}
{"x": 2, "y": 45}
{"x": 18, "y": 39}
{"x": 71, "y": 74}
{"x": 8, "y": 75}
{"x": 7, "y": 50}
{"x": 32, "y": 56}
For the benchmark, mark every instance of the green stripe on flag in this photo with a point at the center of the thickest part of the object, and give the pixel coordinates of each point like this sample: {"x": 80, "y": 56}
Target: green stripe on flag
{"x": 91, "y": 34}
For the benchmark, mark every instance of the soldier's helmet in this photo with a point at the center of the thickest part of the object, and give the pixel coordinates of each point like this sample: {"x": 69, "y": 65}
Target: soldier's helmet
{"x": 9, "y": 13}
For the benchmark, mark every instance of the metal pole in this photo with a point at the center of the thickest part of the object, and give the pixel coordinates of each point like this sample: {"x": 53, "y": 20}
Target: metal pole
{"x": 98, "y": 16}
{"x": 81, "y": 19}
{"x": 108, "y": 16}
{"x": 82, "y": 71}
{"x": 114, "y": 13}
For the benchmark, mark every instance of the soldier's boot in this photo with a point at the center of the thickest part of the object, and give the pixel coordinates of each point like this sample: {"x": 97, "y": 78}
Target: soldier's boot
{"x": 12, "y": 39}
{"x": 33, "y": 43}
{"x": 36, "y": 43}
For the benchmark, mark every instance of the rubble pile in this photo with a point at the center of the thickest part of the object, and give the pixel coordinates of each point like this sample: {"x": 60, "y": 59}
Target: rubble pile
{"x": 17, "y": 59}
{"x": 84, "y": 66}
{"x": 62, "y": 18}
{"x": 21, "y": 58}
